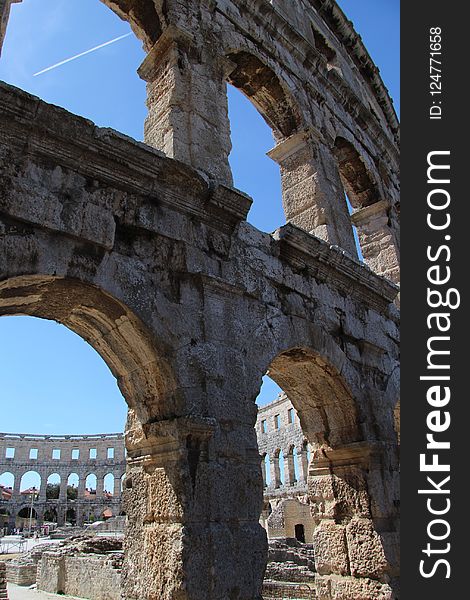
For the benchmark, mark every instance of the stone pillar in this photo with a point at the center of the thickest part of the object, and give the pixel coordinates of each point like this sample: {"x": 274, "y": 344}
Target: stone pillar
{"x": 187, "y": 103}
{"x": 263, "y": 470}
{"x": 378, "y": 241}
{"x": 63, "y": 488}
{"x": 312, "y": 191}
{"x": 191, "y": 513}
{"x": 303, "y": 463}
{"x": 355, "y": 549}
{"x": 274, "y": 471}
{"x": 15, "y": 494}
{"x": 43, "y": 489}
{"x": 289, "y": 471}
{"x": 81, "y": 487}
{"x": 99, "y": 485}
{"x": 4, "y": 16}
{"x": 117, "y": 487}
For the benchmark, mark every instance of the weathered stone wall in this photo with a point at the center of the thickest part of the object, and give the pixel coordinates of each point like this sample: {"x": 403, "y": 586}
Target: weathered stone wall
{"x": 93, "y": 577}
{"x": 45, "y": 465}
{"x": 3, "y": 582}
{"x": 153, "y": 263}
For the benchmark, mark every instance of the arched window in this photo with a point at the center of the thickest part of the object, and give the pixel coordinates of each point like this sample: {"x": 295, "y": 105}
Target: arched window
{"x": 90, "y": 486}
{"x": 72, "y": 486}
{"x": 53, "y": 487}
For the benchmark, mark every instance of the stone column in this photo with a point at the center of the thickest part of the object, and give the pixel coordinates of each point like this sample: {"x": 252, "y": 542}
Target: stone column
{"x": 191, "y": 513}
{"x": 99, "y": 485}
{"x": 312, "y": 191}
{"x": 81, "y": 487}
{"x": 117, "y": 487}
{"x": 263, "y": 470}
{"x": 4, "y": 16}
{"x": 355, "y": 550}
{"x": 274, "y": 471}
{"x": 15, "y": 495}
{"x": 63, "y": 488}
{"x": 187, "y": 103}
{"x": 289, "y": 471}
{"x": 378, "y": 240}
{"x": 303, "y": 463}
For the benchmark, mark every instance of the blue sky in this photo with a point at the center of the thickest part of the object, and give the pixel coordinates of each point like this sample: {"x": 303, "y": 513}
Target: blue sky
{"x": 53, "y": 381}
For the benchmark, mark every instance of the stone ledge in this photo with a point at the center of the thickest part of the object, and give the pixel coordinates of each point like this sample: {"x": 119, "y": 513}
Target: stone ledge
{"x": 47, "y": 132}
{"x": 329, "y": 263}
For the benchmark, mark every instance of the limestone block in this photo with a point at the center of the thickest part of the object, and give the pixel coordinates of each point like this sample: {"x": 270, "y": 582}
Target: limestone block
{"x": 366, "y": 553}
{"x": 331, "y": 554}
{"x": 348, "y": 588}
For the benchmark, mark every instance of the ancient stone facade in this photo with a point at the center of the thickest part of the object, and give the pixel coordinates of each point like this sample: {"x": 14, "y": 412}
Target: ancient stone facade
{"x": 64, "y": 456}
{"x": 151, "y": 260}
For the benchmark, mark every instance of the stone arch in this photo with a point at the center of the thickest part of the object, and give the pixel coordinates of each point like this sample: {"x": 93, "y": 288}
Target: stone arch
{"x": 343, "y": 495}
{"x": 357, "y": 180}
{"x": 51, "y": 514}
{"x": 72, "y": 483}
{"x": 91, "y": 484}
{"x": 108, "y": 326}
{"x": 108, "y": 483}
{"x": 322, "y": 399}
{"x": 37, "y": 480}
{"x": 266, "y": 91}
{"x": 53, "y": 493}
{"x": 7, "y": 485}
{"x": 376, "y": 219}
{"x": 144, "y": 17}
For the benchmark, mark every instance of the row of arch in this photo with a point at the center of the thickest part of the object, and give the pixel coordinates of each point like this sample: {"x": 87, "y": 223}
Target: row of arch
{"x": 57, "y": 487}
{"x": 286, "y": 467}
{"x": 27, "y": 515}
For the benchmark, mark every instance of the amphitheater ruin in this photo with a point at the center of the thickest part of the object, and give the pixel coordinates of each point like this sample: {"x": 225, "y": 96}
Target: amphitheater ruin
{"x": 76, "y": 459}
{"x": 144, "y": 250}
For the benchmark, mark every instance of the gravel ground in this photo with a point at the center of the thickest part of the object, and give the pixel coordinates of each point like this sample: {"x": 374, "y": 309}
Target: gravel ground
{"x": 16, "y": 592}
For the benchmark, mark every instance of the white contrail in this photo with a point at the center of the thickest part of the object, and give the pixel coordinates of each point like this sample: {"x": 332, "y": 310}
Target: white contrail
{"x": 67, "y": 60}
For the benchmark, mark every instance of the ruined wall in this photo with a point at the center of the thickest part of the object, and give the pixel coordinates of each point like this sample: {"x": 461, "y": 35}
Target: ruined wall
{"x": 26, "y": 446}
{"x": 94, "y": 577}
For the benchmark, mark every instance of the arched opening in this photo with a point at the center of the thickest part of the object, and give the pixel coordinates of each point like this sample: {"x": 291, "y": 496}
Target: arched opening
{"x": 266, "y": 91}
{"x": 106, "y": 328}
{"x": 324, "y": 404}
{"x": 356, "y": 179}
{"x": 72, "y": 487}
{"x": 53, "y": 487}
{"x": 253, "y": 171}
{"x": 7, "y": 482}
{"x": 4, "y": 521}
{"x": 30, "y": 483}
{"x": 42, "y": 34}
{"x": 71, "y": 516}
{"x": 374, "y": 220}
{"x": 90, "y": 486}
{"x": 108, "y": 485}
{"x": 50, "y": 515}
{"x": 26, "y": 519}
{"x": 269, "y": 112}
